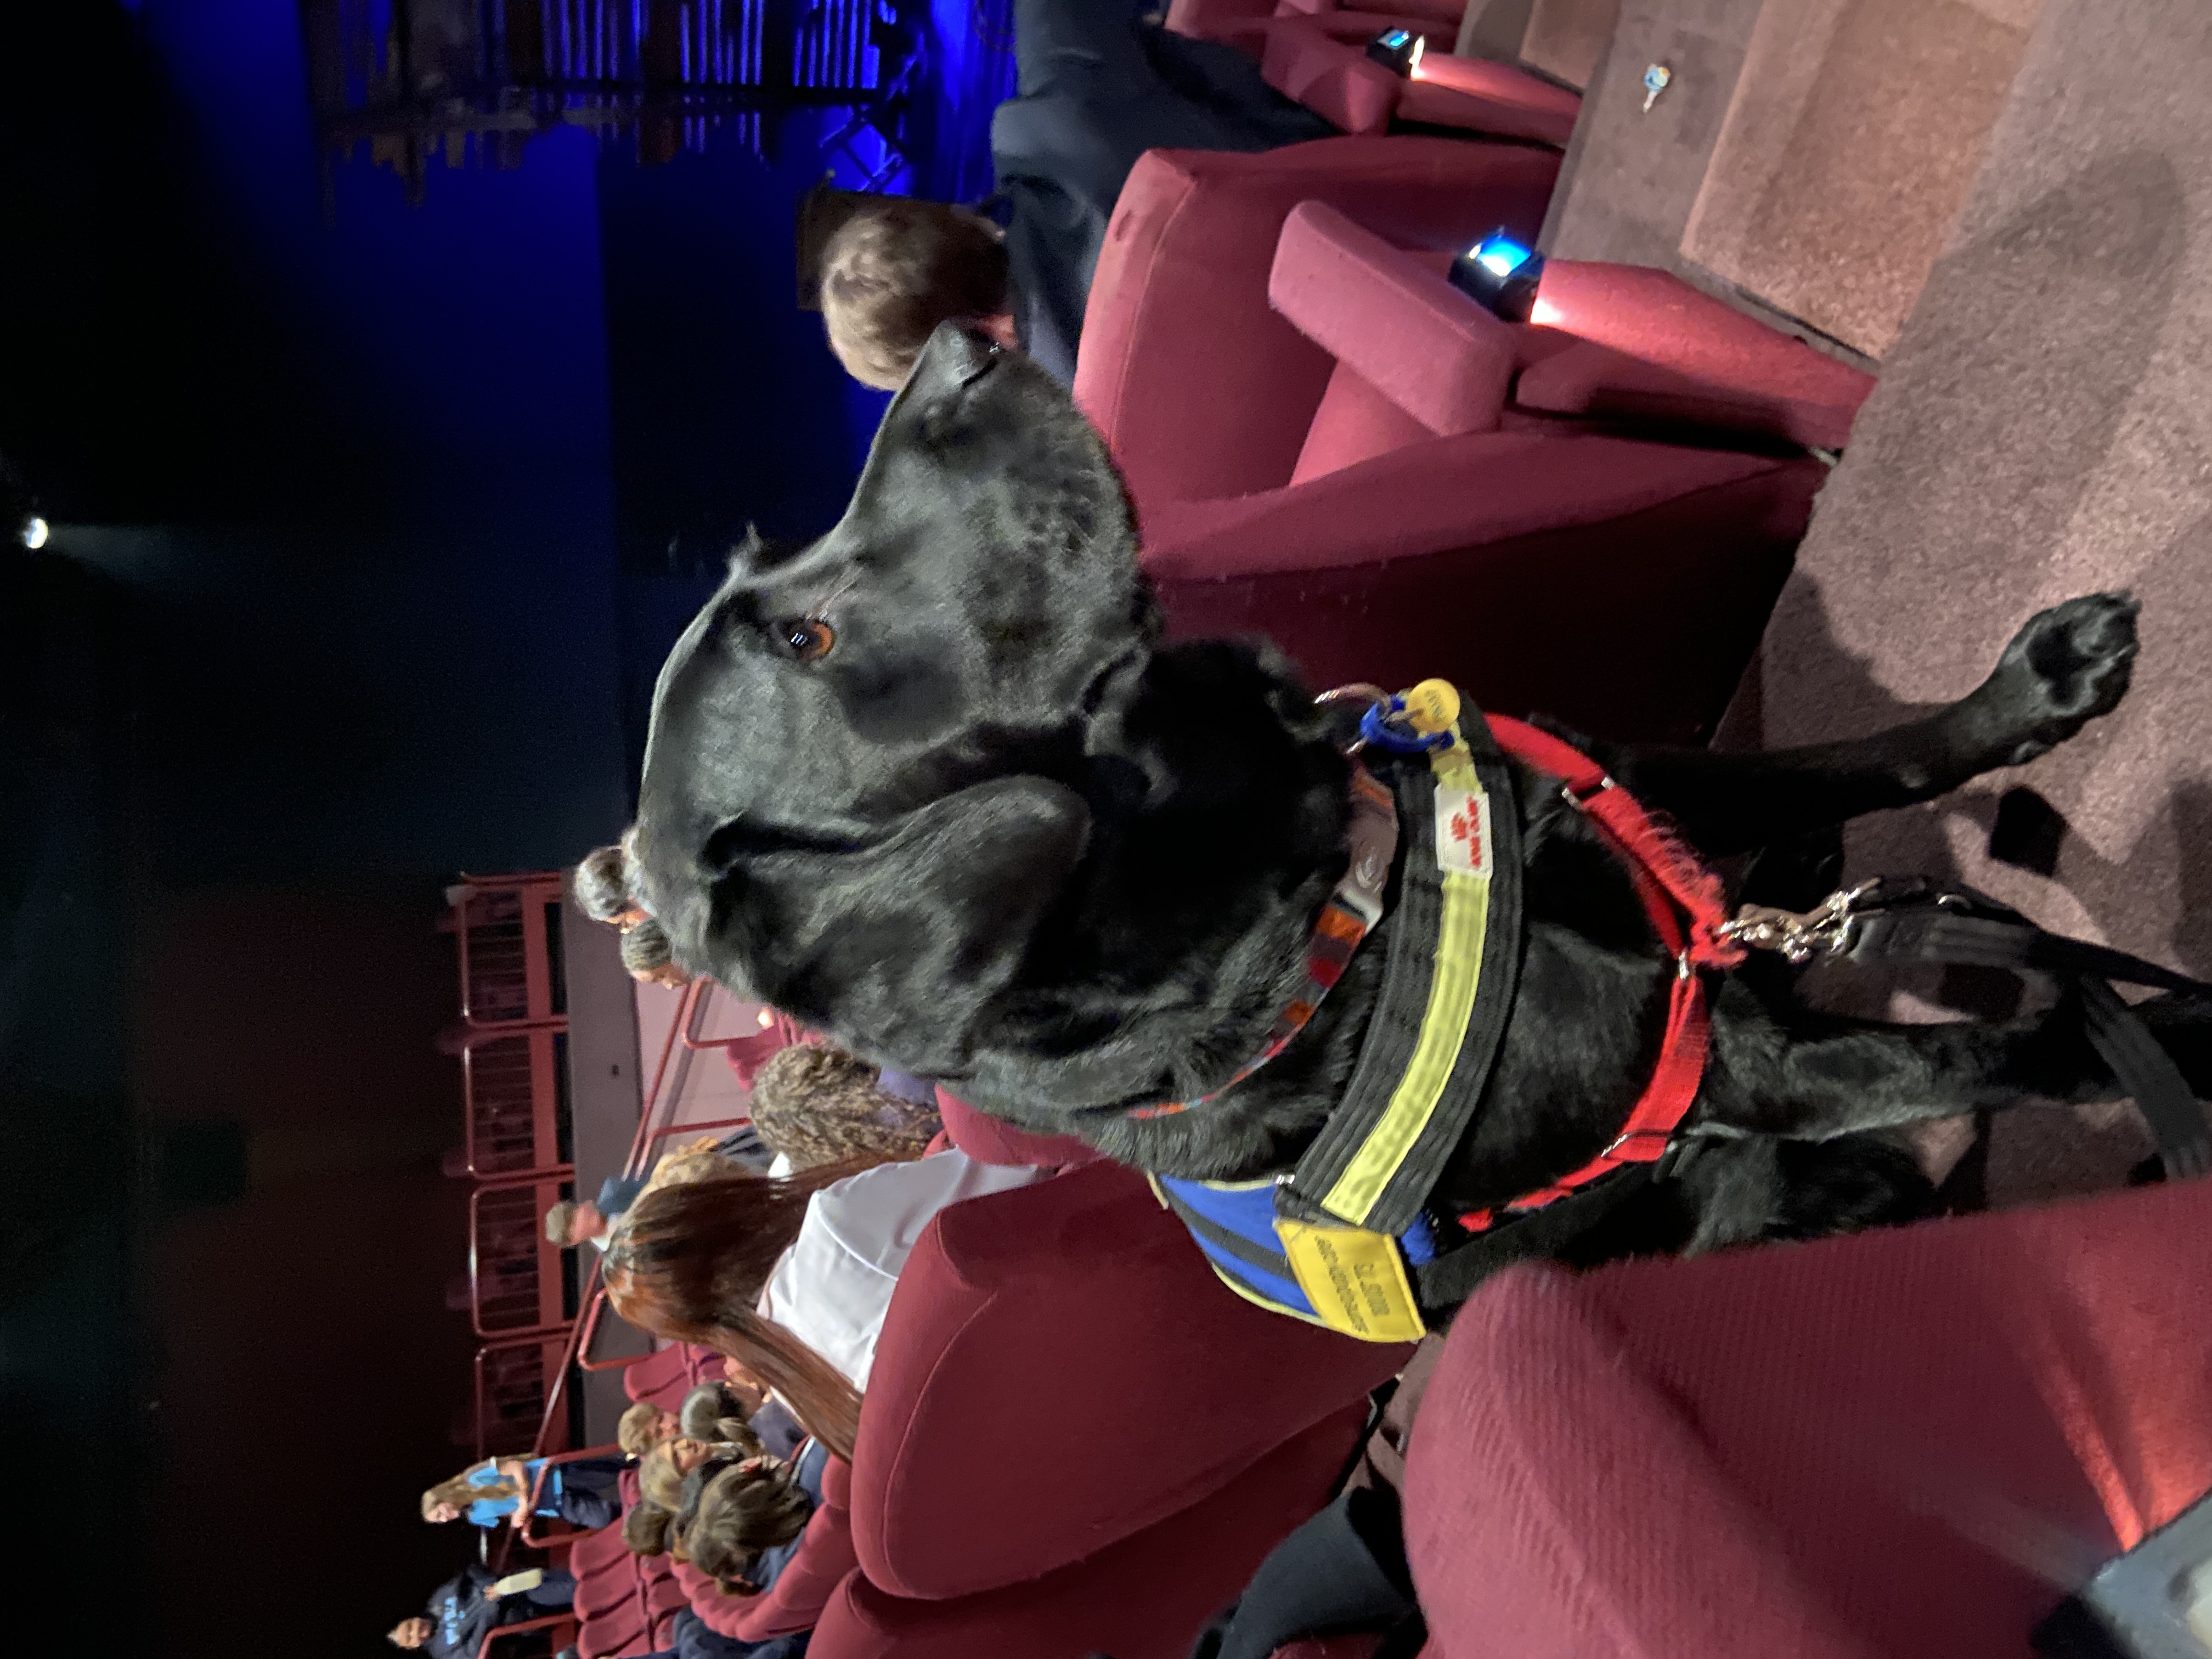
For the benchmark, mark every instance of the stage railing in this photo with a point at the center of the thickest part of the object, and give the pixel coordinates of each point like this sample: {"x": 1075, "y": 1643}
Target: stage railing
{"x": 557, "y": 1643}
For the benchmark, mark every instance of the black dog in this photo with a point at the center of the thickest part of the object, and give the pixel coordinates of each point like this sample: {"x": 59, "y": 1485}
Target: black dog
{"x": 932, "y": 786}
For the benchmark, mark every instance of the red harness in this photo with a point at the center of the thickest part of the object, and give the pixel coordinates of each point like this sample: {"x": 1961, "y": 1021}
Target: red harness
{"x": 1686, "y": 907}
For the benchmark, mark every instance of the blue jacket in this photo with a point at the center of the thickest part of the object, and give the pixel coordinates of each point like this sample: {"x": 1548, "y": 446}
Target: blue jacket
{"x": 587, "y": 1494}
{"x": 767, "y": 1567}
{"x": 693, "y": 1640}
{"x": 1094, "y": 89}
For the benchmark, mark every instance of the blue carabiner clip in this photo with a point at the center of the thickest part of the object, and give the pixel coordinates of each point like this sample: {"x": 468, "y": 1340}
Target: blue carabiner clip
{"x": 1379, "y": 728}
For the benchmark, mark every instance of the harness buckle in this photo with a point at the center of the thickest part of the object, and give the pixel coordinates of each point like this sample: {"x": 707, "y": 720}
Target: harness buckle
{"x": 1824, "y": 930}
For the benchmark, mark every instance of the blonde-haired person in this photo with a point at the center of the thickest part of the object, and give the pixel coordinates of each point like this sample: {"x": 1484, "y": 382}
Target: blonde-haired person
{"x": 583, "y": 1491}
{"x": 644, "y": 1426}
{"x": 813, "y": 1105}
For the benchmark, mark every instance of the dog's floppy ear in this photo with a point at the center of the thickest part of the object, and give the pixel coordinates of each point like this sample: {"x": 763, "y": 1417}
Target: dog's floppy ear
{"x": 897, "y": 945}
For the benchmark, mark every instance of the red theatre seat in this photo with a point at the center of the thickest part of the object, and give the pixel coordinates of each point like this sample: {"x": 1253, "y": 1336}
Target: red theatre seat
{"x": 1906, "y": 1442}
{"x": 666, "y": 1374}
{"x": 624, "y": 1603}
{"x": 1323, "y": 65}
{"x": 1360, "y": 488}
{"x": 1244, "y": 22}
{"x": 1064, "y": 1396}
{"x": 988, "y": 1140}
{"x": 1145, "y": 1597}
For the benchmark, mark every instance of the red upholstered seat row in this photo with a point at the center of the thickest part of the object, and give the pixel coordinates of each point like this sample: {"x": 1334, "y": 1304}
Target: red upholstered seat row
{"x": 1904, "y": 1443}
{"x": 666, "y": 1374}
{"x": 1604, "y": 340}
{"x": 624, "y": 1603}
{"x": 1391, "y": 531}
{"x": 1323, "y": 65}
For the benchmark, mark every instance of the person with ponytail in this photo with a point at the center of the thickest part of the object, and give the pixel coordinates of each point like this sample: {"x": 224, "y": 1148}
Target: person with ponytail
{"x": 790, "y": 1276}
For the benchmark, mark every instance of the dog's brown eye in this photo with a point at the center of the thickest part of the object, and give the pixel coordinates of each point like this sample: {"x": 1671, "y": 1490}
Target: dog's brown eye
{"x": 809, "y": 639}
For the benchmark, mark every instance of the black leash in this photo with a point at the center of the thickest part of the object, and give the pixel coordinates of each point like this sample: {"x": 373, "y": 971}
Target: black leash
{"x": 1912, "y": 919}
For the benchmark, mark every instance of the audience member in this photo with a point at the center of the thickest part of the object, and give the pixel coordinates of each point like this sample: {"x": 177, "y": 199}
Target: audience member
{"x": 463, "y": 1609}
{"x": 644, "y": 1426}
{"x": 486, "y": 1493}
{"x": 778, "y": 1431}
{"x": 660, "y": 1476}
{"x": 814, "y": 1104}
{"x": 1096, "y": 87}
{"x": 570, "y": 1223}
{"x": 791, "y": 1277}
{"x": 581, "y": 1492}
{"x": 601, "y": 888}
{"x": 742, "y": 1517}
{"x": 715, "y": 1412}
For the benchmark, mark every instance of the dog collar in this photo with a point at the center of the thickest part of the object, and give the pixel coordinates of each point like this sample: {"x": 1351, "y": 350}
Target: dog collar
{"x": 1353, "y": 908}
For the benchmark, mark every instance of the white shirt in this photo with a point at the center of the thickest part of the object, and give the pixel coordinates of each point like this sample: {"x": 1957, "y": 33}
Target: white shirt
{"x": 833, "y": 1286}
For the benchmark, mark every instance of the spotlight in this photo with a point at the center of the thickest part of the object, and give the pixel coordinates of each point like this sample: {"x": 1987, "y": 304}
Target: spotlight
{"x": 2154, "y": 1602}
{"x": 766, "y": 1019}
{"x": 1500, "y": 274}
{"x": 34, "y": 532}
{"x": 1398, "y": 51}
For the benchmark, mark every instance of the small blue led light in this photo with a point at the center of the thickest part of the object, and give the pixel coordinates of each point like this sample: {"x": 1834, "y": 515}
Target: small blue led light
{"x": 1395, "y": 39}
{"x": 1499, "y": 256}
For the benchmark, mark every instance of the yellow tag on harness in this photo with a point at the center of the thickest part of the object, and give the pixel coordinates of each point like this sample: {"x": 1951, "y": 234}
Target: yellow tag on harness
{"x": 1355, "y": 1279}
{"x": 1433, "y": 707}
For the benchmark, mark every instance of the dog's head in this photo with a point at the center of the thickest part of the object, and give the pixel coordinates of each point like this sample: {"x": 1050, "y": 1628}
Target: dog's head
{"x": 863, "y": 784}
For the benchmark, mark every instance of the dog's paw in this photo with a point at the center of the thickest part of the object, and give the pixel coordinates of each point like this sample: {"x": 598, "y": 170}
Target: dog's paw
{"x": 2066, "y": 667}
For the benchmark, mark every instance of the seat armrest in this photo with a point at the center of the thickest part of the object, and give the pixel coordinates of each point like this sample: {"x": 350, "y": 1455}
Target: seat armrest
{"x": 1669, "y": 349}
{"x": 1336, "y": 81}
{"x": 1394, "y": 320}
{"x": 1482, "y": 96}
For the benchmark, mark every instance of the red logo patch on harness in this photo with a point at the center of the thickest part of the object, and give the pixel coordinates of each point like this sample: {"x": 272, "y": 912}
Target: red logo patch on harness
{"x": 1463, "y": 832}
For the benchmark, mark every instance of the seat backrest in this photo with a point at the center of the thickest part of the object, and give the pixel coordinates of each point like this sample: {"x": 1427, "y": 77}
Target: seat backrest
{"x": 1060, "y": 1369}
{"x": 990, "y": 1139}
{"x": 664, "y": 1376}
{"x": 1909, "y": 1441}
{"x": 1180, "y": 297}
{"x": 1334, "y": 78}
{"x": 1144, "y": 1596}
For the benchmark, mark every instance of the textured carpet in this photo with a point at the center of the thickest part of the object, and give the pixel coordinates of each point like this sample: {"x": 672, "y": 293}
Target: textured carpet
{"x": 1567, "y": 38}
{"x": 1633, "y": 176}
{"x": 1855, "y": 129}
{"x": 2043, "y": 427}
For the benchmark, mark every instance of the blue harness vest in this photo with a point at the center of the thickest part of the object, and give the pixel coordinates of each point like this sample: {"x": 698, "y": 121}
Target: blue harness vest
{"x": 1341, "y": 1240}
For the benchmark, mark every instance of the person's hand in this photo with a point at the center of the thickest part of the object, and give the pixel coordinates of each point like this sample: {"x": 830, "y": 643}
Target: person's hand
{"x": 735, "y": 1371}
{"x": 492, "y": 1592}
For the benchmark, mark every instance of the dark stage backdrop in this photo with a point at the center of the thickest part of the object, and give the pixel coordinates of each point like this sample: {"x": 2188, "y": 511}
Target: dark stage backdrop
{"x": 362, "y": 566}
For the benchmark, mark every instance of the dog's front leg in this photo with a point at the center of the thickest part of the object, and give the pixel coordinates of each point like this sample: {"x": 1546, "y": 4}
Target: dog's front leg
{"x": 2068, "y": 665}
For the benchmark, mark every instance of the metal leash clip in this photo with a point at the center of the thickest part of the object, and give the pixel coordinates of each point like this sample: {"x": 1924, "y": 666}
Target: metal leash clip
{"x": 1800, "y": 936}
